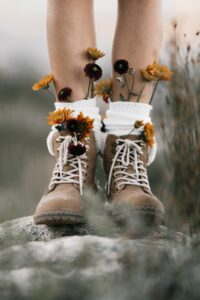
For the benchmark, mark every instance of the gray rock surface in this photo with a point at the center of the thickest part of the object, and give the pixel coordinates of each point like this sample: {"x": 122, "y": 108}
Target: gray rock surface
{"x": 41, "y": 262}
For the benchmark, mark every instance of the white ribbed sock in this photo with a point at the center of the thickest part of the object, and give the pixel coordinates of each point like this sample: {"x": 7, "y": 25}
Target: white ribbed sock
{"x": 120, "y": 119}
{"x": 121, "y": 116}
{"x": 88, "y": 108}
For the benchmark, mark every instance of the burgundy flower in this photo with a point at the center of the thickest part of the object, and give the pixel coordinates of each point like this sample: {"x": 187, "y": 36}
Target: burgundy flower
{"x": 73, "y": 125}
{"x": 106, "y": 98}
{"x": 93, "y": 71}
{"x": 64, "y": 94}
{"x": 76, "y": 150}
{"x": 121, "y": 66}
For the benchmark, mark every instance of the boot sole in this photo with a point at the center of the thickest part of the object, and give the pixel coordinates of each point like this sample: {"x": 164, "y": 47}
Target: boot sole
{"x": 59, "y": 218}
{"x": 139, "y": 220}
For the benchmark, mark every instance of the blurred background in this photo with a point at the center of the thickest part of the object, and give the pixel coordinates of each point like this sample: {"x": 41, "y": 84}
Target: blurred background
{"x": 26, "y": 166}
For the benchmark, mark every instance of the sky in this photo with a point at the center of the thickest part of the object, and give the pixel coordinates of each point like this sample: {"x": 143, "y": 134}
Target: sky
{"x": 23, "y": 27}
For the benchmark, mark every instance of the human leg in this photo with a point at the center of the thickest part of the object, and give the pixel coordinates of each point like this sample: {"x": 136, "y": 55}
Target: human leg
{"x": 70, "y": 30}
{"x": 130, "y": 145}
{"x": 137, "y": 39}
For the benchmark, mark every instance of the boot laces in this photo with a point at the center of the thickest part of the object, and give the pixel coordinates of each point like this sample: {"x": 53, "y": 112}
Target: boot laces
{"x": 128, "y": 154}
{"x": 76, "y": 174}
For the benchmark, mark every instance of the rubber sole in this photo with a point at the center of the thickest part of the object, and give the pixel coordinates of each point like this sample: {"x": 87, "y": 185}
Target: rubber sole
{"x": 135, "y": 221}
{"x": 58, "y": 218}
{"x": 145, "y": 216}
{"x": 138, "y": 223}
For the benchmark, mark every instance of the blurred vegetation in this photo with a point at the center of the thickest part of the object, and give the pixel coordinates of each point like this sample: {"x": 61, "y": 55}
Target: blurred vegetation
{"x": 179, "y": 120}
{"x": 25, "y": 166}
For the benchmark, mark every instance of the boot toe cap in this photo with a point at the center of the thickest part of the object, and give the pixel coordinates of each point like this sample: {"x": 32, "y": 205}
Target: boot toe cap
{"x": 139, "y": 201}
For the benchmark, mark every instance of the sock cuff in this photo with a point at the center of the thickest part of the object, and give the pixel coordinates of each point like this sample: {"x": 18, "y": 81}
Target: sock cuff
{"x": 89, "y": 108}
{"x": 121, "y": 116}
{"x": 80, "y": 104}
{"x": 130, "y": 110}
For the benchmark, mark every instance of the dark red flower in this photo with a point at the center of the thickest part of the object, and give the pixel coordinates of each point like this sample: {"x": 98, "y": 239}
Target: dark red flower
{"x": 121, "y": 66}
{"x": 73, "y": 125}
{"x": 76, "y": 150}
{"x": 93, "y": 71}
{"x": 106, "y": 98}
{"x": 64, "y": 94}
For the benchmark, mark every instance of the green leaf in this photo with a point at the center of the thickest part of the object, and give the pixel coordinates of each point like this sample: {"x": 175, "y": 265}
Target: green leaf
{"x": 122, "y": 98}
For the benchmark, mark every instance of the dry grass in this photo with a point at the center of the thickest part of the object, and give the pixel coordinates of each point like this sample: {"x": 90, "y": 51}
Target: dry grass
{"x": 180, "y": 130}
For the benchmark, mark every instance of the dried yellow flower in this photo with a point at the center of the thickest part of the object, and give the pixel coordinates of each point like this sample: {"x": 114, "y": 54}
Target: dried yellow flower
{"x": 149, "y": 134}
{"x": 138, "y": 123}
{"x": 44, "y": 82}
{"x": 60, "y": 116}
{"x": 85, "y": 125}
{"x": 104, "y": 88}
{"x": 95, "y": 53}
{"x": 155, "y": 72}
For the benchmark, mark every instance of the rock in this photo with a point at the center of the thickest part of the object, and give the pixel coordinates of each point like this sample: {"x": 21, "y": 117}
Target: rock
{"x": 22, "y": 230}
{"x": 42, "y": 262}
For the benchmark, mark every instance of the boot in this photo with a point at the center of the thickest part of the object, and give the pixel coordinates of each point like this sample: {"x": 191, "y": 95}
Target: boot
{"x": 125, "y": 162}
{"x": 62, "y": 202}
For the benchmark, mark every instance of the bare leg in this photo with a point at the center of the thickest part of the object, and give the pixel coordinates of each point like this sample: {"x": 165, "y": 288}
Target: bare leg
{"x": 137, "y": 39}
{"x": 70, "y": 30}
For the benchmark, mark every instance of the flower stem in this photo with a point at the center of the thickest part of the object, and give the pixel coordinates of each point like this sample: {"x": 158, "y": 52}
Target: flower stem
{"x": 126, "y": 84}
{"x": 140, "y": 94}
{"x": 92, "y": 88}
{"x": 49, "y": 92}
{"x": 156, "y": 85}
{"x": 132, "y": 85}
{"x": 88, "y": 91}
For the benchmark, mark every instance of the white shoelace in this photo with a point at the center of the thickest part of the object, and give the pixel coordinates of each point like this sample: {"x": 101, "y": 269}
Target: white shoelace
{"x": 78, "y": 166}
{"x": 127, "y": 155}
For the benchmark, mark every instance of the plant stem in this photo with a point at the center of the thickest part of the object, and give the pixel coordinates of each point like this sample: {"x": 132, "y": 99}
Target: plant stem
{"x": 126, "y": 83}
{"x": 92, "y": 88}
{"x": 139, "y": 97}
{"x": 88, "y": 91}
{"x": 49, "y": 92}
{"x": 154, "y": 91}
{"x": 132, "y": 85}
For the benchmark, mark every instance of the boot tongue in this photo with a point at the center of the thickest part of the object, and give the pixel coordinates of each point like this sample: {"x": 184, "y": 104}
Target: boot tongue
{"x": 56, "y": 146}
{"x": 57, "y": 143}
{"x": 143, "y": 157}
{"x": 144, "y": 147}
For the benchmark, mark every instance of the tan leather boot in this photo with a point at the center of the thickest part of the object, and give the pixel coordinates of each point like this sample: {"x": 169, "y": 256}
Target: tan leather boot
{"x": 125, "y": 162}
{"x": 62, "y": 203}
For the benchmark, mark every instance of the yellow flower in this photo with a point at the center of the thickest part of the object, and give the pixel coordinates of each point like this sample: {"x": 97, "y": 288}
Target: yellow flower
{"x": 104, "y": 88}
{"x": 138, "y": 123}
{"x": 44, "y": 82}
{"x": 60, "y": 116}
{"x": 85, "y": 125}
{"x": 149, "y": 134}
{"x": 155, "y": 72}
{"x": 94, "y": 53}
